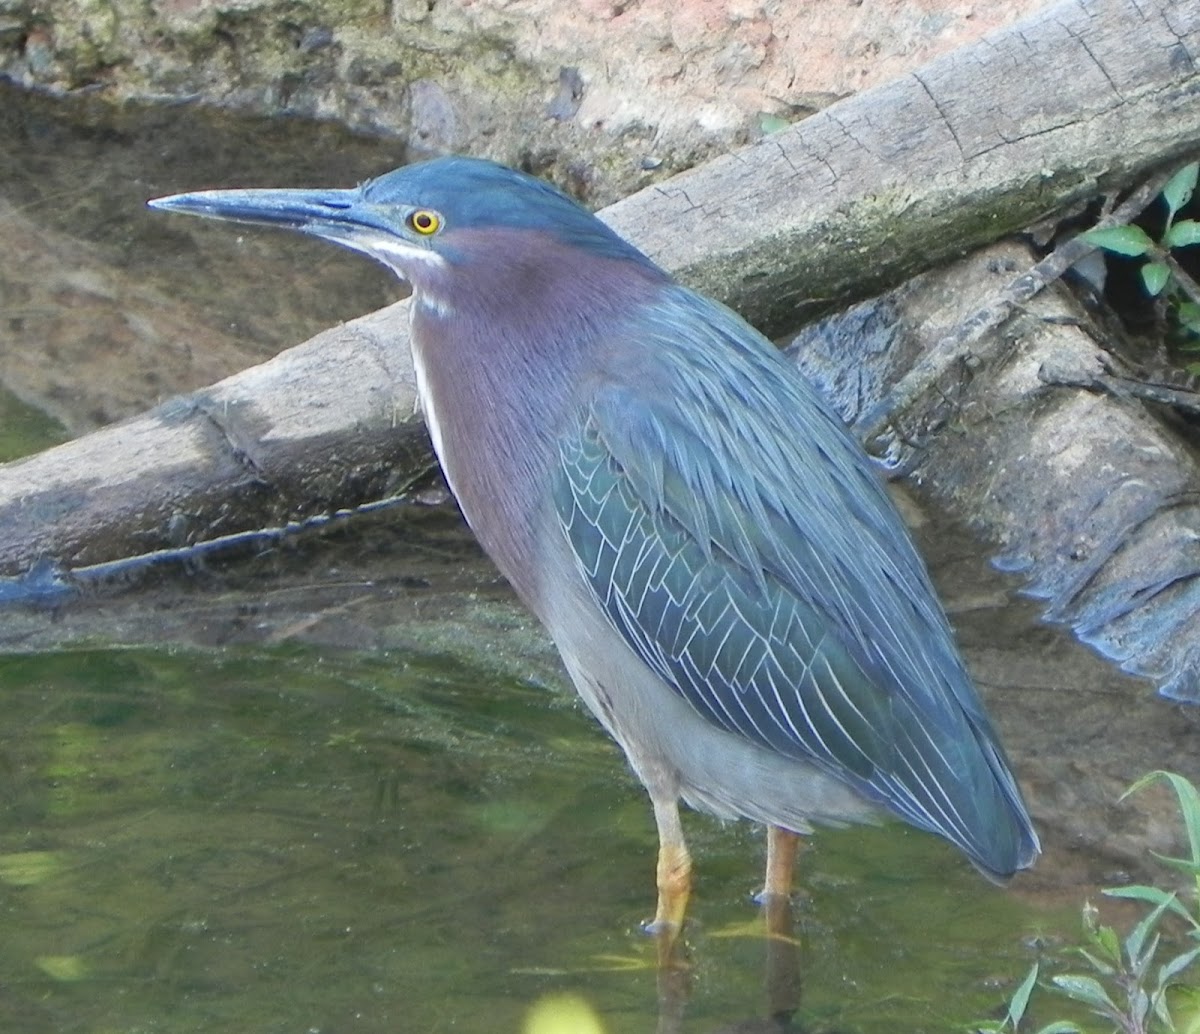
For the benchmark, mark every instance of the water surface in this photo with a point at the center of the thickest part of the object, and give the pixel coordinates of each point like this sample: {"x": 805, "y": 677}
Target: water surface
{"x": 289, "y": 840}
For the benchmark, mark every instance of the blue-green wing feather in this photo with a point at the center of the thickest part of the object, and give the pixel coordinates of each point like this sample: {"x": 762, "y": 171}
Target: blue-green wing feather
{"x": 736, "y": 646}
{"x": 743, "y": 547}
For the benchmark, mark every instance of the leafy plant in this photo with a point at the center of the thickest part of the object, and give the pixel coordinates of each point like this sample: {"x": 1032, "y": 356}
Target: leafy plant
{"x": 1161, "y": 274}
{"x": 1138, "y": 987}
{"x": 1127, "y": 987}
{"x": 1016, "y": 1012}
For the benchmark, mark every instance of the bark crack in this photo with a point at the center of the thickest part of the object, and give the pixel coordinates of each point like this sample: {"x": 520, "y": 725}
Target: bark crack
{"x": 678, "y": 192}
{"x": 240, "y": 449}
{"x": 942, "y": 114}
{"x": 1082, "y": 41}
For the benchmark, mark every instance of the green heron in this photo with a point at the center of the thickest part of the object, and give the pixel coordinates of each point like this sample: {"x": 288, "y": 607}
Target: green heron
{"x": 729, "y": 585}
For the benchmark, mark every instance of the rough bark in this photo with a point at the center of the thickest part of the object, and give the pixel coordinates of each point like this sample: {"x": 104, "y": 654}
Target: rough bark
{"x": 326, "y": 424}
{"x": 1090, "y": 496}
{"x": 986, "y": 140}
{"x": 1024, "y": 123}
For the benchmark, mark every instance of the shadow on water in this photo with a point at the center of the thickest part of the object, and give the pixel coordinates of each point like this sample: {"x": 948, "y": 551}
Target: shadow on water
{"x": 341, "y": 785}
{"x": 105, "y": 307}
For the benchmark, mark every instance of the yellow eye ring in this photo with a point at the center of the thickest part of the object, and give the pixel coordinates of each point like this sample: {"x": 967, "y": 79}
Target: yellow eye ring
{"x": 424, "y": 222}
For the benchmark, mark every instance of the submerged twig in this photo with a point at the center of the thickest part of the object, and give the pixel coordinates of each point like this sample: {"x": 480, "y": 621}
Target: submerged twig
{"x": 1124, "y": 387}
{"x": 49, "y": 584}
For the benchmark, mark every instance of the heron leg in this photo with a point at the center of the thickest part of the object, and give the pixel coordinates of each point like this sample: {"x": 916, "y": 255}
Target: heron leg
{"x": 782, "y": 845}
{"x": 674, "y": 871}
{"x": 783, "y": 950}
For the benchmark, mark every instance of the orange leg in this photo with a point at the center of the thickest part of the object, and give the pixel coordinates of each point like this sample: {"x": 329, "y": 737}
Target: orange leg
{"x": 674, "y": 879}
{"x": 782, "y": 845}
{"x": 783, "y": 958}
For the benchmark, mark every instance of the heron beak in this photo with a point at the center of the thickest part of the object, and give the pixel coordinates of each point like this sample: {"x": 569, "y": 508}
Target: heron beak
{"x": 338, "y": 215}
{"x": 341, "y": 216}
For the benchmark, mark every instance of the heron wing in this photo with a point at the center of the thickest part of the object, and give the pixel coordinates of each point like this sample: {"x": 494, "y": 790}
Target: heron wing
{"x": 746, "y": 551}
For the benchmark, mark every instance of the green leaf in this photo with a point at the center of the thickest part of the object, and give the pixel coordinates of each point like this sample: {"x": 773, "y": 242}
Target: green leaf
{"x": 1137, "y": 936}
{"x": 1059, "y": 1027}
{"x": 1140, "y": 969}
{"x": 1184, "y": 1002}
{"x": 1178, "y": 190}
{"x": 1153, "y": 896}
{"x": 1170, "y": 970}
{"x": 1154, "y": 277}
{"x": 1099, "y": 965}
{"x": 1020, "y": 999}
{"x": 1189, "y": 804}
{"x": 1188, "y": 315}
{"x": 1088, "y": 991}
{"x": 1162, "y": 1011}
{"x": 1183, "y": 234}
{"x": 1140, "y": 892}
{"x": 1122, "y": 240}
{"x": 1106, "y": 939}
{"x": 1183, "y": 865}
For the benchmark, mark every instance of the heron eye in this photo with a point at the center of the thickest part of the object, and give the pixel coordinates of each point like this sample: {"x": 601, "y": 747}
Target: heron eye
{"x": 424, "y": 222}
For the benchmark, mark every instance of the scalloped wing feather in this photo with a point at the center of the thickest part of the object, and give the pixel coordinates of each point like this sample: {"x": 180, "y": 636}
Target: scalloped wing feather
{"x": 741, "y": 544}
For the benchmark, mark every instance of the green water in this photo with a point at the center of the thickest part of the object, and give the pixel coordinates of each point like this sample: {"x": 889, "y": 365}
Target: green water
{"x": 25, "y": 429}
{"x": 280, "y": 840}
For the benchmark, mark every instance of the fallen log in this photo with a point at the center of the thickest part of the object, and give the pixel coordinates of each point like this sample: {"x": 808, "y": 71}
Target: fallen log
{"x": 1083, "y": 490}
{"x": 1027, "y": 122}
{"x": 326, "y": 424}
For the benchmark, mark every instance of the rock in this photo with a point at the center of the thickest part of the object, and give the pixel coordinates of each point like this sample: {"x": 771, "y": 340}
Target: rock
{"x": 682, "y": 79}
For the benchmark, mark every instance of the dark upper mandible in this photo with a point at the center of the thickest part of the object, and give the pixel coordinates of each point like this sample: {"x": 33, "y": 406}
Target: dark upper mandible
{"x": 466, "y": 194}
